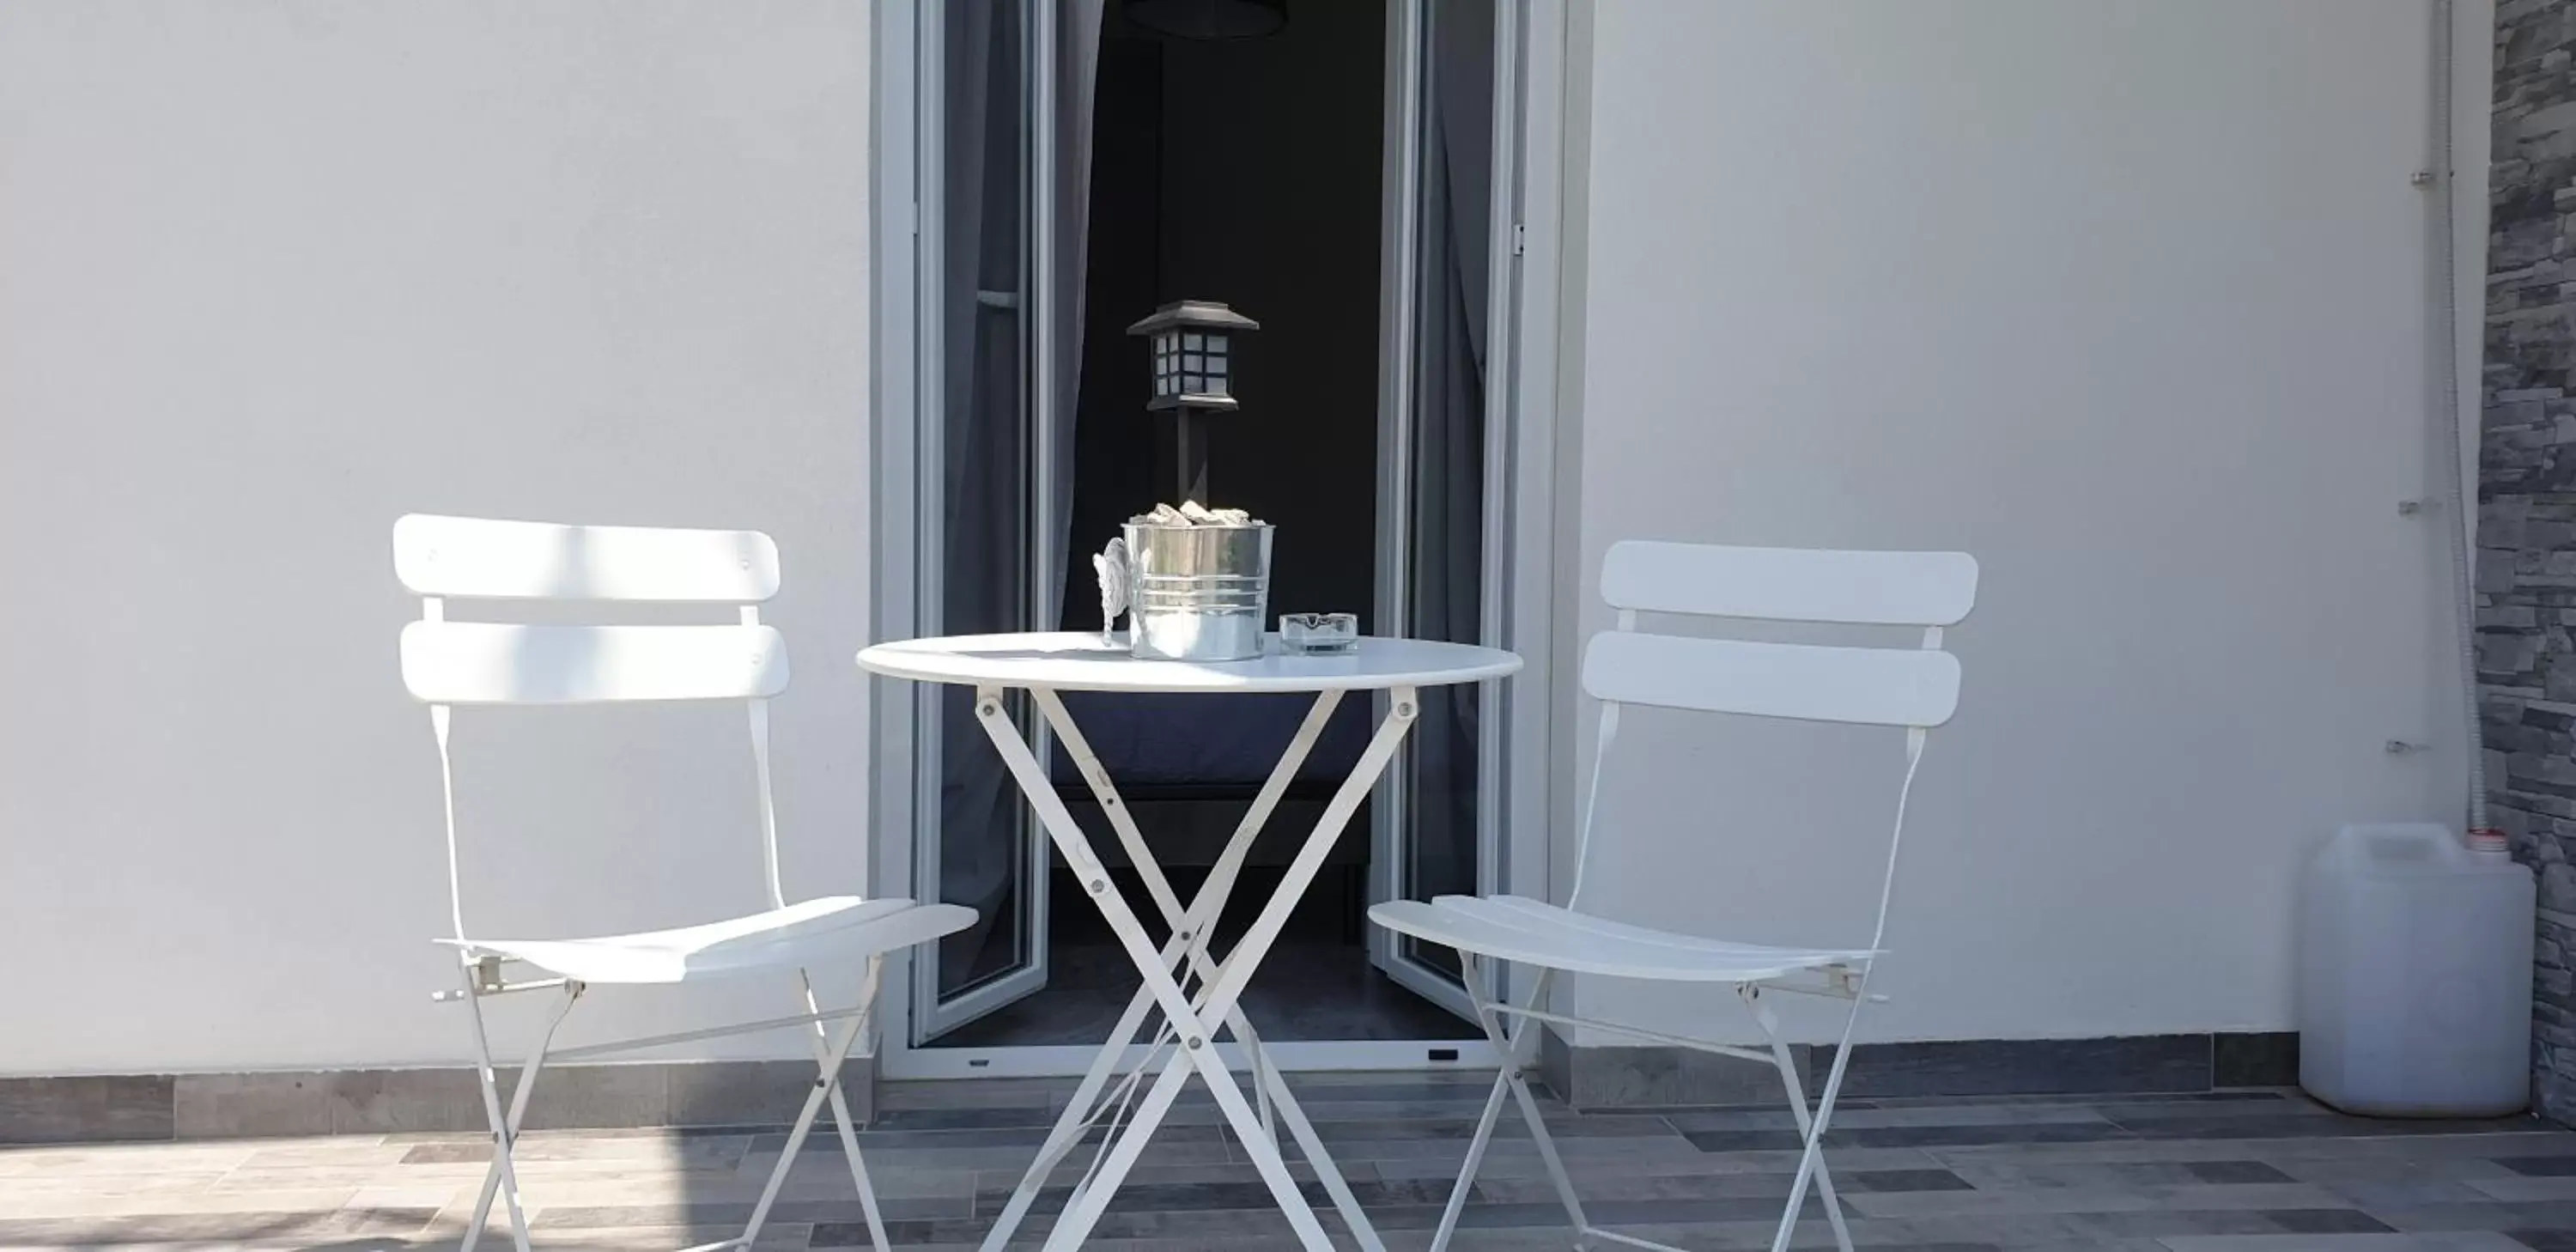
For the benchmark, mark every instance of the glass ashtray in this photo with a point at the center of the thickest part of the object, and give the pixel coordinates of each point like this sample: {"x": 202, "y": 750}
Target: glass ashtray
{"x": 1319, "y": 632}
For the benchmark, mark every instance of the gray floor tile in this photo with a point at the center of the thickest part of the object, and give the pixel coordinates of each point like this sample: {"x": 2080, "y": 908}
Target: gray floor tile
{"x": 1996, "y": 1114}
{"x": 1040, "y": 1117}
{"x": 1027, "y": 1138}
{"x": 2171, "y": 1063}
{"x": 1561, "y": 1127}
{"x": 2521, "y": 1188}
{"x": 2263, "y": 1104}
{"x": 2470, "y": 1241}
{"x": 1768, "y": 1186}
{"x": 2414, "y": 1146}
{"x": 737, "y": 1213}
{"x": 2412, "y": 1192}
{"x": 2168, "y": 1223}
{"x": 146, "y": 1227}
{"x": 1247, "y": 1194}
{"x": 1837, "y": 1136}
{"x": 2323, "y": 1167}
{"x": 1581, "y": 1148}
{"x": 2182, "y": 1173}
{"x": 2134, "y": 1199}
{"x": 2541, "y": 1166}
{"x": 1521, "y": 1160}
{"x": 2499, "y": 1215}
{"x": 2201, "y": 1125}
{"x": 2256, "y": 1096}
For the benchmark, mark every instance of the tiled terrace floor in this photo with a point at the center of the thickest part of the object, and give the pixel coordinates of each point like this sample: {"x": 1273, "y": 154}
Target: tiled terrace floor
{"x": 2246, "y": 1171}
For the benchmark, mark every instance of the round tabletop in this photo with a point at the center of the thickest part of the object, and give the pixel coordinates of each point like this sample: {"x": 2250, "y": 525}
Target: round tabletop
{"x": 1080, "y": 661}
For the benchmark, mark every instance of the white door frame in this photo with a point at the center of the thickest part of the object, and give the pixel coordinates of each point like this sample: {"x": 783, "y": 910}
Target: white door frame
{"x": 1519, "y": 608}
{"x": 1506, "y": 501}
{"x": 910, "y": 70}
{"x": 899, "y": 304}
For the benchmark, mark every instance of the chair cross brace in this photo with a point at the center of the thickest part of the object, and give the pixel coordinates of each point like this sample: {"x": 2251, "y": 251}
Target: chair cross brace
{"x": 830, "y": 1052}
{"x": 1514, "y": 1047}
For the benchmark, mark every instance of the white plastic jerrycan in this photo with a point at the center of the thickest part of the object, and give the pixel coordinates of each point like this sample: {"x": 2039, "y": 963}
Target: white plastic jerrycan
{"x": 2414, "y": 974}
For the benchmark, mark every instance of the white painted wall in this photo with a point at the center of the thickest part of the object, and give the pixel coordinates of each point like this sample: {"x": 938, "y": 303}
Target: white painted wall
{"x": 2129, "y": 300}
{"x": 273, "y": 273}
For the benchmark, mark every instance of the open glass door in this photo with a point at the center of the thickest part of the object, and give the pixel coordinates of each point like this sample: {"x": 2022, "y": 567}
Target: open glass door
{"x": 1002, "y": 97}
{"x": 987, "y": 504}
{"x": 1444, "y": 449}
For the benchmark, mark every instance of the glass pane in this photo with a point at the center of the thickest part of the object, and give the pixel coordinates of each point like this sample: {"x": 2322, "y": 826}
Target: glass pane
{"x": 1193, "y": 341}
{"x": 984, "y": 525}
{"x": 1446, "y": 573}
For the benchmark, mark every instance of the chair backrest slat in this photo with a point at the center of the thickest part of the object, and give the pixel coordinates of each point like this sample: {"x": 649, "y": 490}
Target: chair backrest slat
{"x": 449, "y": 663}
{"x": 479, "y": 558}
{"x": 507, "y": 663}
{"x": 1870, "y": 686}
{"x": 1915, "y": 688}
{"x": 1790, "y": 584}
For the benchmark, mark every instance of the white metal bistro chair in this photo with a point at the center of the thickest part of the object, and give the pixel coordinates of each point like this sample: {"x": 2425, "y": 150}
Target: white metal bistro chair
{"x": 448, "y": 664}
{"x": 1915, "y": 689}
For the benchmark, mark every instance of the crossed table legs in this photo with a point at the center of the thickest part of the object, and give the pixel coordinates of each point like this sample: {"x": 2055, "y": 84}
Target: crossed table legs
{"x": 1190, "y": 1021}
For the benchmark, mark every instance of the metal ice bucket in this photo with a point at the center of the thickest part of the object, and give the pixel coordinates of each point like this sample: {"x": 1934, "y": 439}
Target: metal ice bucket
{"x": 1198, "y": 593}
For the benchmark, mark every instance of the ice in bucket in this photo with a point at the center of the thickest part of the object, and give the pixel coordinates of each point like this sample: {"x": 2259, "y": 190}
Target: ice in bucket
{"x": 1194, "y": 581}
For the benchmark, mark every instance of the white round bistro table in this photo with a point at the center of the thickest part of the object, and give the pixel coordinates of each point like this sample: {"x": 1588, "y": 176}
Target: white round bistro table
{"x": 1046, "y": 663}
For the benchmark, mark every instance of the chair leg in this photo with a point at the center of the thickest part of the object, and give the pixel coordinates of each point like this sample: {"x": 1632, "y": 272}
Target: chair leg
{"x": 832, "y": 1055}
{"x": 840, "y": 1103}
{"x": 1812, "y": 1158}
{"x": 1474, "y": 1161}
{"x": 1511, "y": 1045}
{"x": 1522, "y": 1048}
{"x": 503, "y": 1175}
{"x": 1797, "y": 1089}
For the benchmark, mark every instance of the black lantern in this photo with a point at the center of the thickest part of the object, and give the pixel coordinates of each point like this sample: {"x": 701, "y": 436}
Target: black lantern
{"x": 1193, "y": 356}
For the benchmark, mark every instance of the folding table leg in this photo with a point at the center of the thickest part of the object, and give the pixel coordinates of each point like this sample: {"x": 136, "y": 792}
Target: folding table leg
{"x": 1269, "y": 1087}
{"x": 1193, "y": 1021}
{"x": 1310, "y": 1145}
{"x": 1196, "y": 1051}
{"x": 1188, "y": 940}
{"x": 1069, "y": 1125}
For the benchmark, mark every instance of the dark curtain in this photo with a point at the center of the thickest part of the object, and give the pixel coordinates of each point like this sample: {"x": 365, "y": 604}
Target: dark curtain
{"x": 1447, "y": 571}
{"x": 990, "y": 450}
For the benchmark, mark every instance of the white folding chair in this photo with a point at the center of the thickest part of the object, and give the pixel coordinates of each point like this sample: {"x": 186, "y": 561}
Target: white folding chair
{"x": 446, "y": 664}
{"x": 1915, "y": 689}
